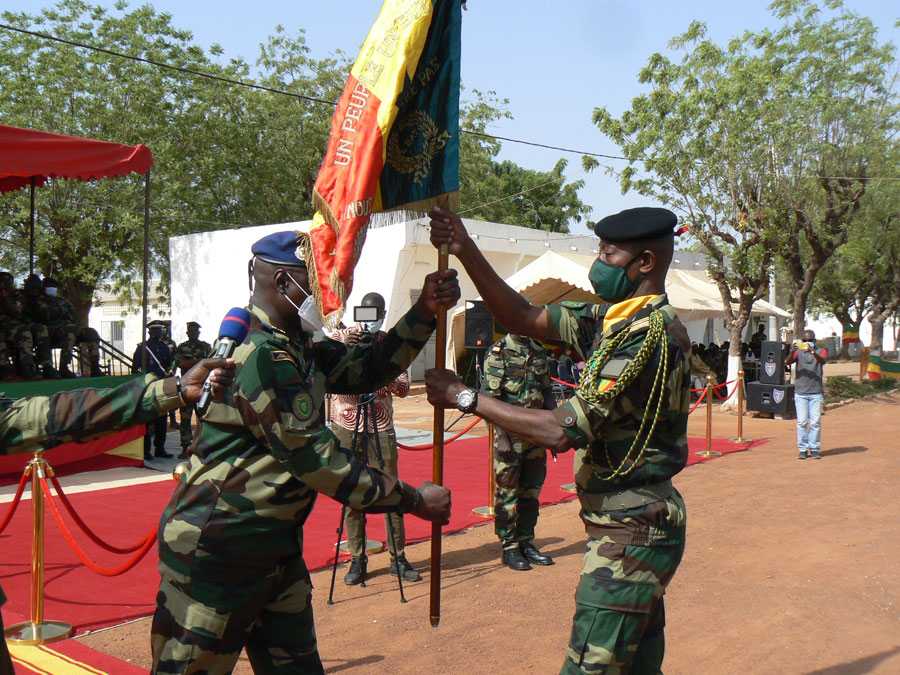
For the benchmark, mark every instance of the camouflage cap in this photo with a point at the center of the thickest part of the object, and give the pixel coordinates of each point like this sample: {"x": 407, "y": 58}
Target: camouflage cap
{"x": 281, "y": 248}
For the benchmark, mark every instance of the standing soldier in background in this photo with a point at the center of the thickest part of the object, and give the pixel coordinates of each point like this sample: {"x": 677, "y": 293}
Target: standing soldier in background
{"x": 187, "y": 354}
{"x": 516, "y": 372}
{"x": 170, "y": 343}
{"x": 158, "y": 360}
{"x": 15, "y": 337}
{"x": 29, "y": 298}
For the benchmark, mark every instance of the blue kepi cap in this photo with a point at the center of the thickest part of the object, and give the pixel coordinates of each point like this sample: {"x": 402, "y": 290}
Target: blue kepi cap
{"x": 282, "y": 248}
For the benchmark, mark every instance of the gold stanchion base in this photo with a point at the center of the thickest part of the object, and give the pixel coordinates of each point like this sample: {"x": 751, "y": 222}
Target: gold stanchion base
{"x": 708, "y": 453}
{"x": 37, "y": 633}
{"x": 372, "y": 546}
{"x": 569, "y": 487}
{"x": 484, "y": 511}
{"x": 739, "y": 439}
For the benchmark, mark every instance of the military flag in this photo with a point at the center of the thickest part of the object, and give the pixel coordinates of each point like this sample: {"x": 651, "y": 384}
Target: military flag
{"x": 394, "y": 142}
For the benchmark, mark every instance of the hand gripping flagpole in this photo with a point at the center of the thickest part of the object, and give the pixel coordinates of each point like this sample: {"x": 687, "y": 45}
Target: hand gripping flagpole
{"x": 440, "y": 360}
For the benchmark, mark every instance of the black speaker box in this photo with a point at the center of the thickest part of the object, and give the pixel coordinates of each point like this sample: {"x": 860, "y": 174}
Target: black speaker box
{"x": 771, "y": 363}
{"x": 479, "y": 326}
{"x": 773, "y": 398}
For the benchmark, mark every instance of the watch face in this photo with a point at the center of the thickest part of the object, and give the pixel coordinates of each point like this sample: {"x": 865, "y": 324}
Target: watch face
{"x": 465, "y": 398}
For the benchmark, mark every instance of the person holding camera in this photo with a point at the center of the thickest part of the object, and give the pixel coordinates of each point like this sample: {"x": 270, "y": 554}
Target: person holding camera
{"x": 809, "y": 393}
{"x": 347, "y": 418}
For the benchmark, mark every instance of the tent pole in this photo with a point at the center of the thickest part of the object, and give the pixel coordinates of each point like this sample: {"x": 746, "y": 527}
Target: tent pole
{"x": 146, "y": 266}
{"x": 31, "y": 235}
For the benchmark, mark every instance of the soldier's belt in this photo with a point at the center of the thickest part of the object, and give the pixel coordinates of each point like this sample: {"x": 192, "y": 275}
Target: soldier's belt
{"x": 626, "y": 499}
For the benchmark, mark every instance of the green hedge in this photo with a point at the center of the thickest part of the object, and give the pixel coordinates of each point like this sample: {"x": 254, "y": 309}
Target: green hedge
{"x": 841, "y": 387}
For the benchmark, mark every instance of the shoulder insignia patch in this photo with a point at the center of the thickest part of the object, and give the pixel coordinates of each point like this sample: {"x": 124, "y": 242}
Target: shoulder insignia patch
{"x": 303, "y": 406}
{"x": 573, "y": 304}
{"x": 283, "y": 356}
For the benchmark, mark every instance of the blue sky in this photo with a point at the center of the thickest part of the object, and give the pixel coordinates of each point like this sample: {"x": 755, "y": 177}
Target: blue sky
{"x": 555, "y": 62}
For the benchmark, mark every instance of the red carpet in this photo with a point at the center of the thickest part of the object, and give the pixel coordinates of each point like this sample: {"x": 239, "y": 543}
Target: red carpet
{"x": 123, "y": 516}
{"x": 68, "y": 657}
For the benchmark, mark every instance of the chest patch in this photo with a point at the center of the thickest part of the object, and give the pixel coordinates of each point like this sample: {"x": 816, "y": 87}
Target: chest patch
{"x": 303, "y": 406}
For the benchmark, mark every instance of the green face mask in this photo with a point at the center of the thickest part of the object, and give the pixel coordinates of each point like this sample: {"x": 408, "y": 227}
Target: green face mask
{"x": 611, "y": 282}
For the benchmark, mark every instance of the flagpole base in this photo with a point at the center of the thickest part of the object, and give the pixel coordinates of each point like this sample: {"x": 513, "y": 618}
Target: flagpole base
{"x": 740, "y": 439}
{"x": 708, "y": 453}
{"x": 28, "y": 633}
{"x": 568, "y": 487}
{"x": 484, "y": 511}
{"x": 372, "y": 546}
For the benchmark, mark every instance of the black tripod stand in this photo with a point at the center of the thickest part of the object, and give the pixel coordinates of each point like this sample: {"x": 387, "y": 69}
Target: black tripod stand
{"x": 365, "y": 415}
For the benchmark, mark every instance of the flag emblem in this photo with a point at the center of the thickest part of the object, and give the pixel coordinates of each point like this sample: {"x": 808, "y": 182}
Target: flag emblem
{"x": 770, "y": 369}
{"x": 778, "y": 395}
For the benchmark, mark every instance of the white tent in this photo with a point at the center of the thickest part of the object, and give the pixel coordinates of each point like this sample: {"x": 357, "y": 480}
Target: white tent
{"x": 555, "y": 277}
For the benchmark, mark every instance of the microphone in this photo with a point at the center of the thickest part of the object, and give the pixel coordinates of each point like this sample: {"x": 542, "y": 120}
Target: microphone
{"x": 232, "y": 332}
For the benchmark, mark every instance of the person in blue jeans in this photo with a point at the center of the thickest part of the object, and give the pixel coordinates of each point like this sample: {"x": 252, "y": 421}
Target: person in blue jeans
{"x": 809, "y": 393}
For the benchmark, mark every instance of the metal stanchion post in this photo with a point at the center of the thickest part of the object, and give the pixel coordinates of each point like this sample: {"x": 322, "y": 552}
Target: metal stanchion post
{"x": 709, "y": 452}
{"x": 488, "y": 511}
{"x": 740, "y": 435}
{"x": 37, "y": 631}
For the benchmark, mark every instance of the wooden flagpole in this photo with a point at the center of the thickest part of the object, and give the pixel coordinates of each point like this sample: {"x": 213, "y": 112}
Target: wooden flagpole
{"x": 440, "y": 361}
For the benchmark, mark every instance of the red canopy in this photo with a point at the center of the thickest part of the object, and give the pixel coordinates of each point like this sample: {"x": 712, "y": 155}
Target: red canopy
{"x": 26, "y": 152}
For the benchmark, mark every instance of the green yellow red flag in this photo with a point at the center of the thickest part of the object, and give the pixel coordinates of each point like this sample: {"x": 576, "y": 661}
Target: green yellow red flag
{"x": 879, "y": 367}
{"x": 394, "y": 142}
{"x": 850, "y": 333}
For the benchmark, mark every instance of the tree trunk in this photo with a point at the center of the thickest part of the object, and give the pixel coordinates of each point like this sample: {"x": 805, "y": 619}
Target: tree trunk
{"x": 877, "y": 321}
{"x": 734, "y": 363}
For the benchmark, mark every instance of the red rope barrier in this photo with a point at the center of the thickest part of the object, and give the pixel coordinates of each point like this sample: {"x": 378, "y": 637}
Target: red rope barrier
{"x": 568, "y": 384}
{"x": 428, "y": 446}
{"x": 94, "y": 567}
{"x": 15, "y": 502}
{"x": 84, "y": 528}
{"x": 699, "y": 401}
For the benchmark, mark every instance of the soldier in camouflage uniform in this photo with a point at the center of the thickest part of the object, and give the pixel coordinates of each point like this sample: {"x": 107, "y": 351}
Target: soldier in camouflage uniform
{"x": 30, "y": 298}
{"x": 185, "y": 356}
{"x": 627, "y": 423}
{"x": 515, "y": 372}
{"x": 231, "y": 538}
{"x": 15, "y": 333}
{"x": 61, "y": 318}
{"x": 43, "y": 422}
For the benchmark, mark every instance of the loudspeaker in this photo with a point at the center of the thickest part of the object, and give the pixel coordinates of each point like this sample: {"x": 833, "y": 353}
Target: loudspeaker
{"x": 771, "y": 363}
{"x": 771, "y": 398}
{"x": 479, "y": 326}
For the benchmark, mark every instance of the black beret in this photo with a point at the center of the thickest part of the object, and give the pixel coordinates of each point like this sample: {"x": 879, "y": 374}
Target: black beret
{"x": 50, "y": 282}
{"x": 281, "y": 248}
{"x": 193, "y": 324}
{"x": 637, "y": 224}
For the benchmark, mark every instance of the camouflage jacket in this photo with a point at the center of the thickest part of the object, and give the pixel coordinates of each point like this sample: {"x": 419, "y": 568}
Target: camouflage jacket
{"x": 611, "y": 427}
{"x": 515, "y": 371}
{"x": 51, "y": 310}
{"x": 43, "y": 422}
{"x": 264, "y": 452}
{"x": 191, "y": 350}
{"x": 10, "y": 309}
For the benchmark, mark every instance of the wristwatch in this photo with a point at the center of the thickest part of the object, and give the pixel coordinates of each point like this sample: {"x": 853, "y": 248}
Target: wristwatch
{"x": 466, "y": 400}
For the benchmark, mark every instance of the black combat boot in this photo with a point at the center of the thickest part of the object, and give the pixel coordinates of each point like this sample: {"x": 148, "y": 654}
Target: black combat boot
{"x": 533, "y": 555}
{"x": 514, "y": 560}
{"x": 50, "y": 373}
{"x": 357, "y": 572}
{"x": 409, "y": 574}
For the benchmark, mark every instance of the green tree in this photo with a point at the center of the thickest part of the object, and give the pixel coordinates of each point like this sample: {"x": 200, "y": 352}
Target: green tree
{"x": 764, "y": 146}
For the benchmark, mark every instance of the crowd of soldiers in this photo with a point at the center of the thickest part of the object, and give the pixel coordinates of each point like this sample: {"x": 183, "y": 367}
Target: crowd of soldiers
{"x": 35, "y": 320}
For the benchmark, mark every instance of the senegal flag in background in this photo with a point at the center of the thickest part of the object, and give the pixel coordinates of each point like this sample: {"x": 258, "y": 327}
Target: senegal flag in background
{"x": 394, "y": 141}
{"x": 850, "y": 333}
{"x": 879, "y": 367}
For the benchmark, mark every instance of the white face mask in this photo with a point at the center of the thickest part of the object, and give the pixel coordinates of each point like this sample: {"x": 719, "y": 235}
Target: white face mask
{"x": 50, "y": 290}
{"x": 307, "y": 311}
{"x": 373, "y": 326}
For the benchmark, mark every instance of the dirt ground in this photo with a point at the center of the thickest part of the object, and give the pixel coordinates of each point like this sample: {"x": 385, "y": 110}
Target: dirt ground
{"x": 791, "y": 567}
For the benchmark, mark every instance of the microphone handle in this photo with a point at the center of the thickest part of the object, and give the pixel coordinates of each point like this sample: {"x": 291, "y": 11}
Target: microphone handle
{"x": 224, "y": 349}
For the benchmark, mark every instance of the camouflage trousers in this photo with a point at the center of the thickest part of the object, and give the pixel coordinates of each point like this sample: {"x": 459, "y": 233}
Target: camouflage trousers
{"x": 187, "y": 432}
{"x": 519, "y": 470}
{"x": 63, "y": 337}
{"x": 619, "y": 611}
{"x": 42, "y": 348}
{"x": 201, "y": 627}
{"x": 354, "y": 519}
{"x": 16, "y": 339}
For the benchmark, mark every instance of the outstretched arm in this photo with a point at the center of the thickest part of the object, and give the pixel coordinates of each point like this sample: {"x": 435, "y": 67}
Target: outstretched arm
{"x": 513, "y": 311}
